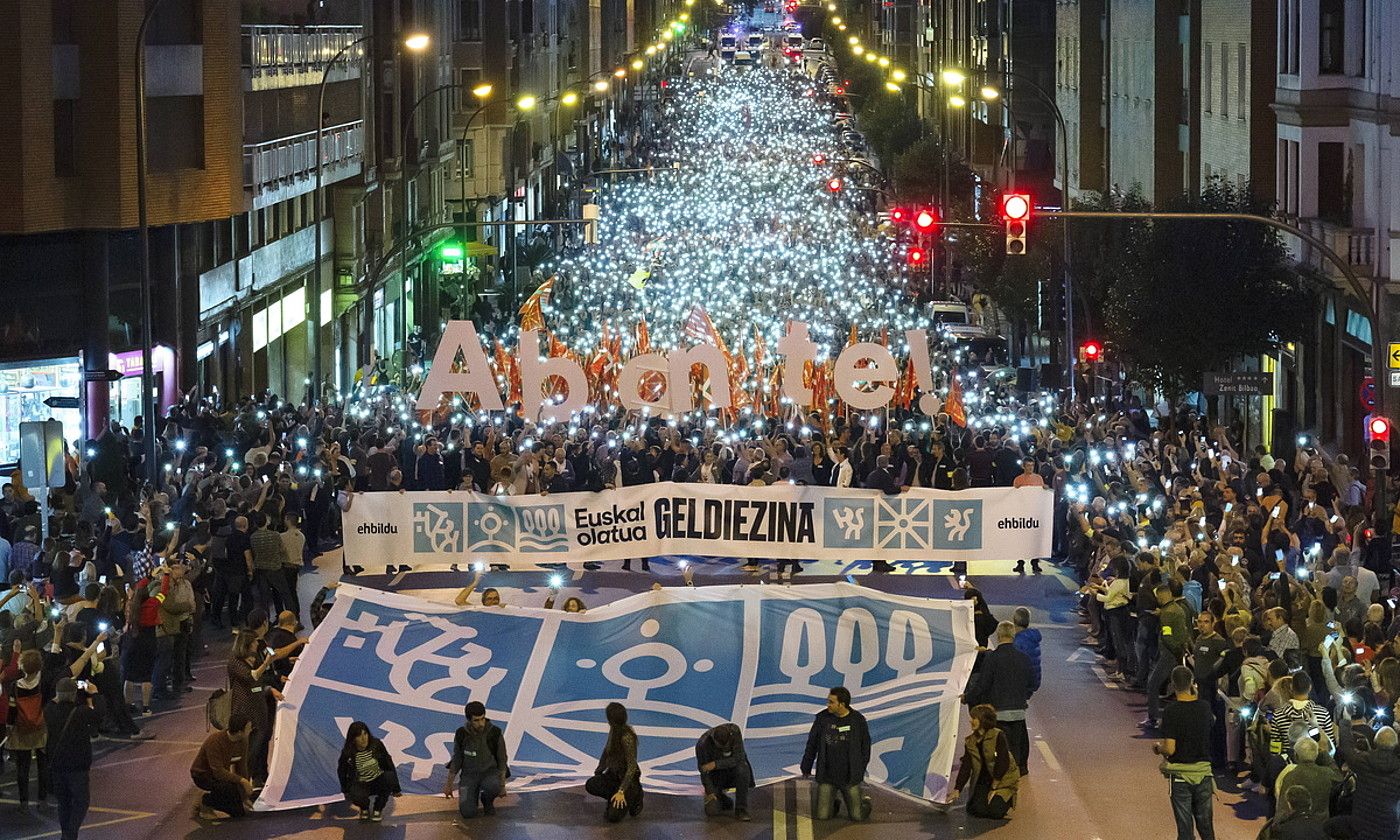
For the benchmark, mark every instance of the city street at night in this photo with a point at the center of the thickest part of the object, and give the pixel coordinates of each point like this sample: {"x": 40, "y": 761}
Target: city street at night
{"x": 699, "y": 419}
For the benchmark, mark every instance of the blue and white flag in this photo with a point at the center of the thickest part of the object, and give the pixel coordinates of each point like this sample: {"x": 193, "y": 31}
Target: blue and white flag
{"x": 682, "y": 660}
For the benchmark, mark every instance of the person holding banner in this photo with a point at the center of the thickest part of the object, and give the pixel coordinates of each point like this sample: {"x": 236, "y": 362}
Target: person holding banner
{"x": 618, "y": 779}
{"x": 479, "y": 755}
{"x": 723, "y": 764}
{"x": 839, "y": 746}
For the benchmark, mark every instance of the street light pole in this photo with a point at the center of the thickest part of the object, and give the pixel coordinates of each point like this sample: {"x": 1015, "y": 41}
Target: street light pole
{"x": 313, "y": 329}
{"x": 148, "y": 408}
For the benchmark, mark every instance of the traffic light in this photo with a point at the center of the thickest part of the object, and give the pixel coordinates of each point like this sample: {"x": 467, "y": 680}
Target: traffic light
{"x": 926, "y": 221}
{"x": 1091, "y": 351}
{"x": 1016, "y": 213}
{"x": 899, "y": 215}
{"x": 917, "y": 257}
{"x": 819, "y": 159}
{"x": 1378, "y": 429}
{"x": 834, "y": 185}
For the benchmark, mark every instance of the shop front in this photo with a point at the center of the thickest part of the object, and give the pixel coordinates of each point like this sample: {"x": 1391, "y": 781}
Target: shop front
{"x": 24, "y": 387}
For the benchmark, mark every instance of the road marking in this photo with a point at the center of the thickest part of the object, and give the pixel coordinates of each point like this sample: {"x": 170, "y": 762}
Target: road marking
{"x": 126, "y": 816}
{"x": 780, "y": 822}
{"x": 803, "y": 794}
{"x": 143, "y": 758}
{"x": 1103, "y": 678}
{"x": 1050, "y": 761}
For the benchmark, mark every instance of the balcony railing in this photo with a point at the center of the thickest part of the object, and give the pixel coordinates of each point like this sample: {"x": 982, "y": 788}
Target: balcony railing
{"x": 1357, "y": 246}
{"x": 286, "y": 167}
{"x": 292, "y": 56}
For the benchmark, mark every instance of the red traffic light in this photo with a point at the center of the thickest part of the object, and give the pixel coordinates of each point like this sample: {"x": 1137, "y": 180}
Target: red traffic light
{"x": 834, "y": 185}
{"x": 899, "y": 215}
{"x": 925, "y": 221}
{"x": 1380, "y": 428}
{"x": 1015, "y": 207}
{"x": 916, "y": 256}
{"x": 1092, "y": 351}
{"x": 840, "y": 90}
{"x": 819, "y": 159}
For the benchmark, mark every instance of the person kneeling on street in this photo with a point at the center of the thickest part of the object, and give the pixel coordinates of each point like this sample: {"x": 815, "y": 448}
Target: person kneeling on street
{"x": 990, "y": 766}
{"x": 839, "y": 745}
{"x": 723, "y": 764}
{"x": 479, "y": 754}
{"x": 367, "y": 775}
{"x": 618, "y": 779}
{"x": 221, "y": 770}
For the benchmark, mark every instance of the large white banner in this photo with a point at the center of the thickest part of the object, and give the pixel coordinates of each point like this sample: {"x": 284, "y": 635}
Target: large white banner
{"x": 782, "y": 521}
{"x": 681, "y": 659}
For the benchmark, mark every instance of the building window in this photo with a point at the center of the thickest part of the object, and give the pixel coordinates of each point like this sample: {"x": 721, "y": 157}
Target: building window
{"x": 1207, "y": 80}
{"x": 1331, "y": 183}
{"x": 1331, "y": 28}
{"x": 464, "y": 155}
{"x": 1224, "y": 80}
{"x": 176, "y": 22}
{"x": 1242, "y": 82}
{"x": 469, "y": 20}
{"x": 65, "y": 137}
{"x": 63, "y": 22}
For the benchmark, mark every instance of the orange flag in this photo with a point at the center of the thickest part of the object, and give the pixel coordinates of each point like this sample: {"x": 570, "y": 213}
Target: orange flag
{"x": 643, "y": 338}
{"x": 532, "y": 312}
{"x": 954, "y": 406}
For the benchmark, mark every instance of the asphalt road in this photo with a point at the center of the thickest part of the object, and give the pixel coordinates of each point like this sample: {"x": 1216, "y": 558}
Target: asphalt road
{"x": 1092, "y": 775}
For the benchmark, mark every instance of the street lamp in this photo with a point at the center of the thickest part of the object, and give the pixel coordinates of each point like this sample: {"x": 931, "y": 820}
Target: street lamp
{"x": 148, "y": 408}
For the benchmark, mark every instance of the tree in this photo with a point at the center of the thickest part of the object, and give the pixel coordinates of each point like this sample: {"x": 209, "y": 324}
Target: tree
{"x": 1229, "y": 287}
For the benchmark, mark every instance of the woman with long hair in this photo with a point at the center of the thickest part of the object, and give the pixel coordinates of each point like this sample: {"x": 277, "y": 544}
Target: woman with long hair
{"x": 618, "y": 779}
{"x": 367, "y": 775}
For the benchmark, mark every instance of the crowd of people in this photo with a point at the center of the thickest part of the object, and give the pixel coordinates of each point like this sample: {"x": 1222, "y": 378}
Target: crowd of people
{"x": 1242, "y": 592}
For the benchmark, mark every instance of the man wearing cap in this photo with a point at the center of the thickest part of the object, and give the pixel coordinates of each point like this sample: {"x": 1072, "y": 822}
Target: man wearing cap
{"x": 72, "y": 724}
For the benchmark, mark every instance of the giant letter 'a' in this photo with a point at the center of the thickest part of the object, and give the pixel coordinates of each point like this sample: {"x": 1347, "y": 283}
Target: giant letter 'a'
{"x": 473, "y": 376}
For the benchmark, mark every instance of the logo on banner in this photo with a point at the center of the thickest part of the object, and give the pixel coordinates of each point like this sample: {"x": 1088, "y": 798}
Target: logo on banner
{"x": 902, "y": 523}
{"x": 848, "y": 523}
{"x": 437, "y": 527}
{"x": 501, "y": 529}
{"x": 957, "y": 524}
{"x": 541, "y": 528}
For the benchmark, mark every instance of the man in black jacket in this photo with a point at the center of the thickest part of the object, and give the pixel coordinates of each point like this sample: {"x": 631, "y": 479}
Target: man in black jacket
{"x": 1005, "y": 679}
{"x": 479, "y": 754}
{"x": 72, "y": 724}
{"x": 723, "y": 764}
{"x": 839, "y": 744}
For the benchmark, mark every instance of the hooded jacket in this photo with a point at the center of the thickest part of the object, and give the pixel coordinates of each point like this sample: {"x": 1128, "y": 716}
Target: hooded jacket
{"x": 1028, "y": 642}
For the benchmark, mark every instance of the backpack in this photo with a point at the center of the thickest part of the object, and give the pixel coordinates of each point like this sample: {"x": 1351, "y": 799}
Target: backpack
{"x": 29, "y": 712}
{"x": 218, "y": 708}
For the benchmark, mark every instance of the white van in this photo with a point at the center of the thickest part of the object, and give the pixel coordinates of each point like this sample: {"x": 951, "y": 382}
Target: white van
{"x": 950, "y": 313}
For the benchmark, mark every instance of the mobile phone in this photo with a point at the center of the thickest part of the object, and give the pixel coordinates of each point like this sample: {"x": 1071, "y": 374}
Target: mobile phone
{"x": 55, "y": 612}
{"x": 1275, "y": 512}
{"x": 1229, "y": 506}
{"x": 1274, "y": 576}
{"x": 1360, "y": 651}
{"x": 102, "y": 579}
{"x": 82, "y": 685}
{"x": 269, "y": 651}
{"x": 102, "y": 626}
{"x": 102, "y": 647}
{"x": 962, "y": 578}
{"x": 556, "y": 581}
{"x": 1221, "y": 584}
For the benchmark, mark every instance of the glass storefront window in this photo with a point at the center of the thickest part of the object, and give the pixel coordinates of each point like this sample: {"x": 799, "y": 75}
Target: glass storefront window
{"x": 23, "y": 388}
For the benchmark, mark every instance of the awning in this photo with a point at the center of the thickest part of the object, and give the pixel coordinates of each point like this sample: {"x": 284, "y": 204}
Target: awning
{"x": 480, "y": 249}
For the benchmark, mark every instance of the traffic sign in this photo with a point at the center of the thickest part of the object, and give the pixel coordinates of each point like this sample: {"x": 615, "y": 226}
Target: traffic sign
{"x": 1394, "y": 355}
{"x": 61, "y": 402}
{"x": 1368, "y": 393}
{"x": 103, "y": 375}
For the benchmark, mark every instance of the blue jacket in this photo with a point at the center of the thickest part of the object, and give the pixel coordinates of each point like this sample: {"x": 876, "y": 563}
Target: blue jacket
{"x": 1028, "y": 642}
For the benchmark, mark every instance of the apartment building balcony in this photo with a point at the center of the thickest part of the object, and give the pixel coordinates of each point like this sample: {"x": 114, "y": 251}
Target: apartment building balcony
{"x": 1356, "y": 247}
{"x": 295, "y": 56}
{"x": 286, "y": 167}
